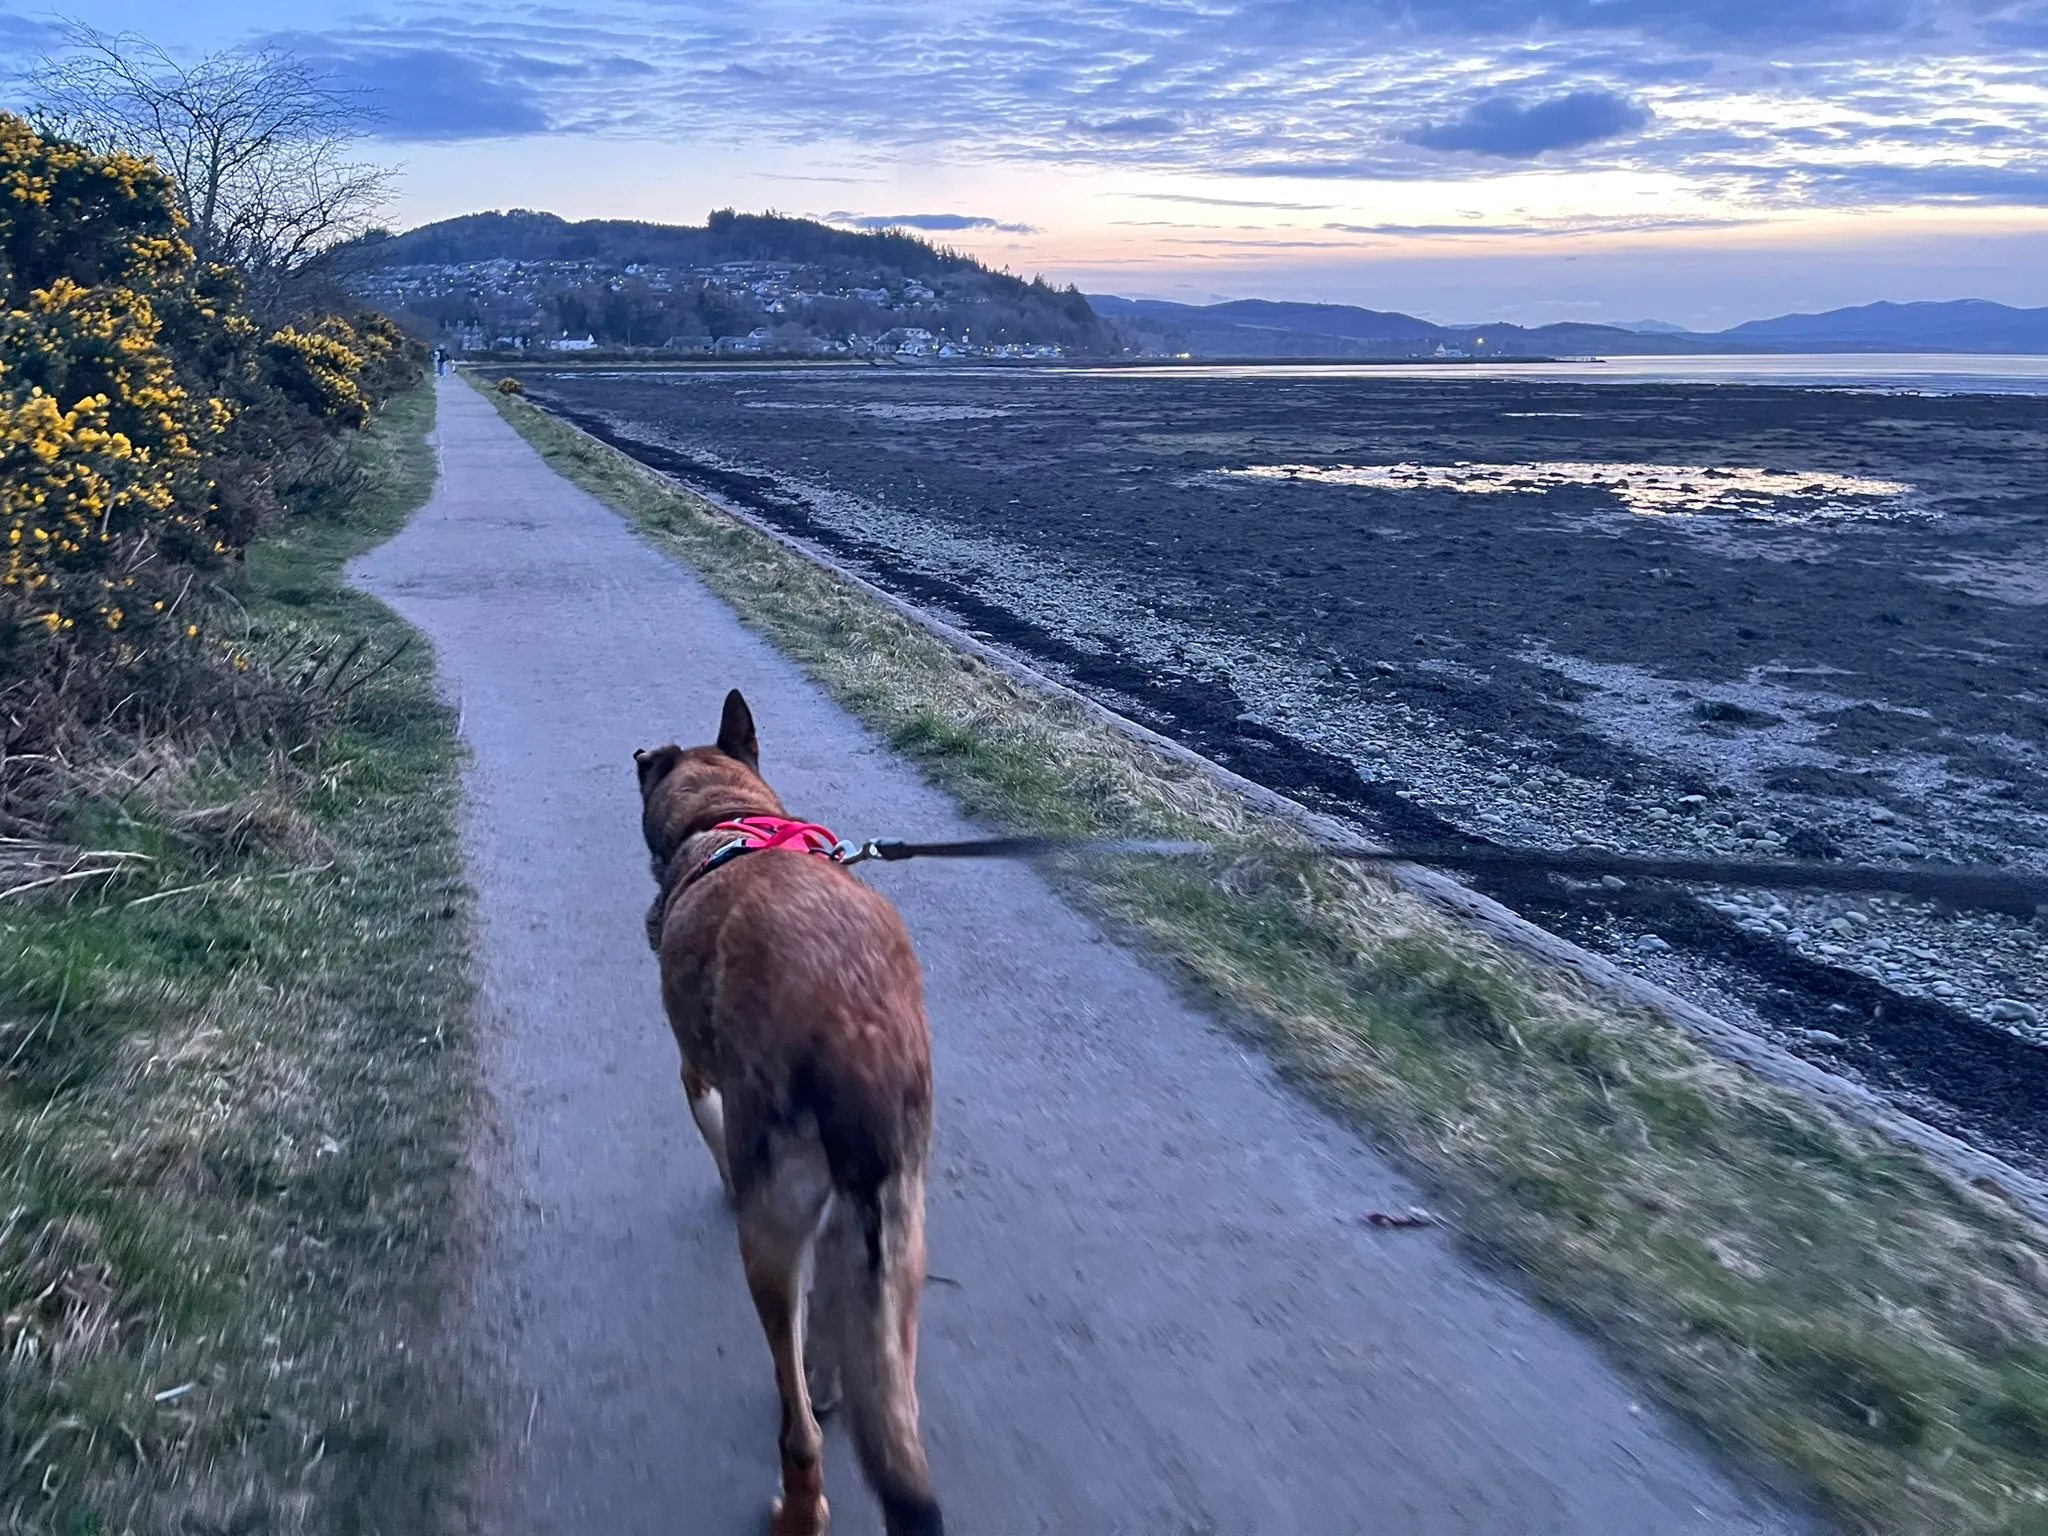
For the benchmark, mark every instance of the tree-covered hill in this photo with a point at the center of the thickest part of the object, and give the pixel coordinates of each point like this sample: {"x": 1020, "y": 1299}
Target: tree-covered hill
{"x": 528, "y": 278}
{"x": 526, "y": 236}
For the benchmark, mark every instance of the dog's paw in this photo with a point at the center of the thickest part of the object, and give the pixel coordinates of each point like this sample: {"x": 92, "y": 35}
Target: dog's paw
{"x": 788, "y": 1520}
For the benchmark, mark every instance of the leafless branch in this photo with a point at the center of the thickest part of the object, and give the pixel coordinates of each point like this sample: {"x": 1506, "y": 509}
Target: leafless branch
{"x": 256, "y": 140}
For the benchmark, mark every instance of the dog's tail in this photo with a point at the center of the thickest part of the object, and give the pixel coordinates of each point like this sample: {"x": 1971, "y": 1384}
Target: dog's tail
{"x": 871, "y": 1261}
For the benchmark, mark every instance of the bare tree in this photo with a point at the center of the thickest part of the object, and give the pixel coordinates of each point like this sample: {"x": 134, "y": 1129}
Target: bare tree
{"x": 257, "y": 141}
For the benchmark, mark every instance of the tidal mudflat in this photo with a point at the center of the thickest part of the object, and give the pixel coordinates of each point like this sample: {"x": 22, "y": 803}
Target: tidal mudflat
{"x": 1667, "y": 618}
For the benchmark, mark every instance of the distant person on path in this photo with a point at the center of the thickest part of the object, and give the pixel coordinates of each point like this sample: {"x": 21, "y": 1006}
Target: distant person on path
{"x": 441, "y": 362}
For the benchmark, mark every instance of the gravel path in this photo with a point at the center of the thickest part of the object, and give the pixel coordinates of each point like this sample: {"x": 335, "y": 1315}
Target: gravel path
{"x": 1159, "y": 1311}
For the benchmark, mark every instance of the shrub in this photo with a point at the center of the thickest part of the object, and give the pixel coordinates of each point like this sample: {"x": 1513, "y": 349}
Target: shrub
{"x": 510, "y": 386}
{"x": 102, "y": 442}
{"x": 147, "y": 428}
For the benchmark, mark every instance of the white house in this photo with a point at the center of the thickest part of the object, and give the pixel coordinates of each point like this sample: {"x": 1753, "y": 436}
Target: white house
{"x": 572, "y": 344}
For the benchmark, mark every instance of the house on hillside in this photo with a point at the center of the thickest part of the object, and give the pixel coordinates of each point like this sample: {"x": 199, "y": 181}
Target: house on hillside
{"x": 573, "y": 344}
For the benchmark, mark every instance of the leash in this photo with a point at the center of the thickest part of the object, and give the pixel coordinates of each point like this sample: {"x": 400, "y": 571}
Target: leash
{"x": 1970, "y": 886}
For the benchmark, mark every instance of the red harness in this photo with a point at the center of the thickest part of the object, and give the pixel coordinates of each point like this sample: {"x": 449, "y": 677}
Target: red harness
{"x": 757, "y": 833}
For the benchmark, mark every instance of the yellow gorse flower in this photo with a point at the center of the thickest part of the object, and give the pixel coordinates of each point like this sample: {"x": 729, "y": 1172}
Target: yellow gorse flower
{"x": 143, "y": 414}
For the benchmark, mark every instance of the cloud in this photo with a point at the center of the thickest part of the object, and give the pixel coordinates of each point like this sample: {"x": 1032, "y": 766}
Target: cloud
{"x": 1157, "y": 125}
{"x": 1230, "y": 202}
{"x": 25, "y": 36}
{"x": 437, "y": 95}
{"x": 933, "y": 223}
{"x": 1269, "y": 244}
{"x": 1355, "y": 168}
{"x": 1553, "y": 228}
{"x": 1505, "y": 128}
{"x": 1774, "y": 104}
{"x": 2019, "y": 27}
{"x": 2025, "y": 187}
{"x": 1750, "y": 22}
{"x": 1433, "y": 230}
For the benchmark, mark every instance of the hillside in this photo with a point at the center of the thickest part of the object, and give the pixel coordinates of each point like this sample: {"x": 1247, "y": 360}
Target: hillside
{"x": 1264, "y": 328}
{"x": 1961, "y": 325}
{"x": 738, "y": 282}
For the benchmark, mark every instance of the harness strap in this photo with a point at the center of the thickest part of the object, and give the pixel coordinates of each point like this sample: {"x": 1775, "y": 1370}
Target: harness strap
{"x": 751, "y": 835}
{"x": 755, "y": 834}
{"x": 758, "y": 832}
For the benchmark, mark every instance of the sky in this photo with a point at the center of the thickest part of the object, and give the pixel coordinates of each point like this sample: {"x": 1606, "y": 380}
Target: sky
{"x": 1701, "y": 162}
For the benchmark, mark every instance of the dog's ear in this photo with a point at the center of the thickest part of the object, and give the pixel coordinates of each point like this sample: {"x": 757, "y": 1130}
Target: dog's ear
{"x": 736, "y": 737}
{"x": 655, "y": 764}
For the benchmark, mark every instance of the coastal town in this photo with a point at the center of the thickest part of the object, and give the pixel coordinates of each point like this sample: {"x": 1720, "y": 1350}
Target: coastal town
{"x": 731, "y": 308}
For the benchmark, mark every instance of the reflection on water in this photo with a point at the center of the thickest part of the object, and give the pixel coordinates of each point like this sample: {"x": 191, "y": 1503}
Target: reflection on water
{"x": 1654, "y": 490}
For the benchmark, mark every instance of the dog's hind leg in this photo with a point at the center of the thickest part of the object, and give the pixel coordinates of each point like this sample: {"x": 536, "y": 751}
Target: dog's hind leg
{"x": 708, "y": 1110}
{"x": 780, "y": 1209}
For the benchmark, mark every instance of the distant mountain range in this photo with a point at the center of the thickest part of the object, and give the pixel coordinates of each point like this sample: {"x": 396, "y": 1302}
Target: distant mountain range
{"x": 1962, "y": 325}
{"x": 1263, "y": 328}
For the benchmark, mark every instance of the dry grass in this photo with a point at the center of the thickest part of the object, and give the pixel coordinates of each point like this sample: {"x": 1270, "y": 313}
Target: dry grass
{"x": 231, "y": 1085}
{"x": 1831, "y": 1312}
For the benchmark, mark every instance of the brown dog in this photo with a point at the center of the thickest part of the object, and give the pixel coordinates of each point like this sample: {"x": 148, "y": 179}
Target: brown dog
{"x": 799, "y": 1007}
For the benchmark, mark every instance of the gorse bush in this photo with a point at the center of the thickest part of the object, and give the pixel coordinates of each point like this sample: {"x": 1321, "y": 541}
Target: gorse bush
{"x": 102, "y": 443}
{"x": 149, "y": 429}
{"x": 339, "y": 369}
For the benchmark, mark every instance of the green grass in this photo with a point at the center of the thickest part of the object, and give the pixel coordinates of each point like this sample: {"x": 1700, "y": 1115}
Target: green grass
{"x": 1832, "y": 1313}
{"x": 233, "y": 1092}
